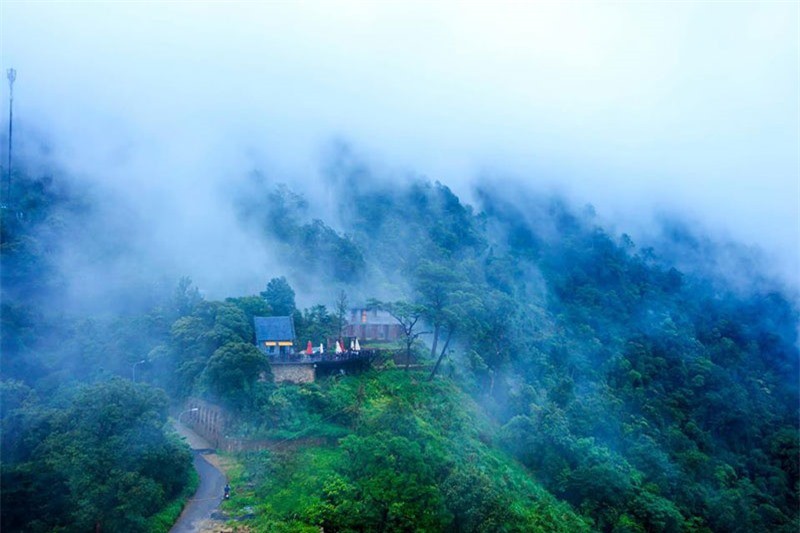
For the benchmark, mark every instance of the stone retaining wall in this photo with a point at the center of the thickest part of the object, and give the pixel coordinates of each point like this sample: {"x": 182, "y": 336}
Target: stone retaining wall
{"x": 294, "y": 372}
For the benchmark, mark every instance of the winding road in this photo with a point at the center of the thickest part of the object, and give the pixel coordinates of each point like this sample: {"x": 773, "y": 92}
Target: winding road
{"x": 205, "y": 501}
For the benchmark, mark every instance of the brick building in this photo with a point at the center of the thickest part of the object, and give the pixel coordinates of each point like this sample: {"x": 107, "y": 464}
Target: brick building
{"x": 372, "y": 325}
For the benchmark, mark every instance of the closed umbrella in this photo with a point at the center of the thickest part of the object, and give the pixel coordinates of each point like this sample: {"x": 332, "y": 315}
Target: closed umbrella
{"x": 309, "y": 348}
{"x": 358, "y": 346}
{"x": 338, "y": 347}
{"x": 321, "y": 348}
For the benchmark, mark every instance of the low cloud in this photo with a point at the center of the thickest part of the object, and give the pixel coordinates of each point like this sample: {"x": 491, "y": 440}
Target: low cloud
{"x": 166, "y": 109}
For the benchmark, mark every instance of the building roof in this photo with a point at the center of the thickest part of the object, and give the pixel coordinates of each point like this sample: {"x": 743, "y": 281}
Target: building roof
{"x": 274, "y": 328}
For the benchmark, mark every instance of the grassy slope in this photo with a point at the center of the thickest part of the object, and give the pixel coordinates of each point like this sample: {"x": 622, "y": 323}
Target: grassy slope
{"x": 417, "y": 456}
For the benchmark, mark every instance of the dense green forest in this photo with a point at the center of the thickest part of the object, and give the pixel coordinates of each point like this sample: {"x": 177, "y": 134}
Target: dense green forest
{"x": 571, "y": 379}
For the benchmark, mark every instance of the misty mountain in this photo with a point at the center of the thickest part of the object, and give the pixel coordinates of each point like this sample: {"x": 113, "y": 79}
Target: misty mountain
{"x": 632, "y": 385}
{"x": 643, "y": 388}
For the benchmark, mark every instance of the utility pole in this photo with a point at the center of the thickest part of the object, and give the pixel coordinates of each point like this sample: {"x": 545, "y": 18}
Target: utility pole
{"x": 12, "y": 75}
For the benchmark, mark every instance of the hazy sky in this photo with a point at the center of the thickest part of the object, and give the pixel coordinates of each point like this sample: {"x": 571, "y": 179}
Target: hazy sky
{"x": 634, "y": 107}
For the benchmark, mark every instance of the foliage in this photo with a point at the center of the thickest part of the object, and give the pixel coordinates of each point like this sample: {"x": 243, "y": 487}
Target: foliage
{"x": 650, "y": 398}
{"x": 233, "y": 375}
{"x": 280, "y": 296}
{"x": 186, "y": 297}
{"x": 252, "y": 306}
{"x": 408, "y": 315}
{"x": 317, "y": 325}
{"x": 413, "y": 459}
{"x": 194, "y": 339}
{"x": 316, "y": 249}
{"x": 163, "y": 521}
{"x": 644, "y": 391}
{"x": 103, "y": 460}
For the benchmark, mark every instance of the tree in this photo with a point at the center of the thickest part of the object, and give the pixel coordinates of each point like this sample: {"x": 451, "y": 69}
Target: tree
{"x": 230, "y": 324}
{"x": 389, "y": 485}
{"x": 252, "y": 306}
{"x": 449, "y": 302}
{"x": 186, "y": 354}
{"x": 233, "y": 372}
{"x": 407, "y": 315}
{"x": 341, "y": 313}
{"x": 283, "y": 208}
{"x": 476, "y": 501}
{"x": 280, "y": 296}
{"x": 194, "y": 338}
{"x": 434, "y": 283}
{"x": 459, "y": 316}
{"x": 333, "y": 255}
{"x": 104, "y": 463}
{"x": 186, "y": 297}
{"x": 16, "y": 399}
{"x": 491, "y": 333}
{"x": 317, "y": 325}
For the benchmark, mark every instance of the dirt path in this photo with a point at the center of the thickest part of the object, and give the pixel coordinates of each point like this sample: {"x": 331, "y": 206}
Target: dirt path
{"x": 197, "y": 515}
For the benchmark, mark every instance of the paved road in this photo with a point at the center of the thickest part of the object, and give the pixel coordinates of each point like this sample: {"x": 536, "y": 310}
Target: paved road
{"x": 209, "y": 492}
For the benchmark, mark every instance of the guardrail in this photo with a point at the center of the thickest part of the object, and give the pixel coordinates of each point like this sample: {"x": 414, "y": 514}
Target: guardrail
{"x": 349, "y": 355}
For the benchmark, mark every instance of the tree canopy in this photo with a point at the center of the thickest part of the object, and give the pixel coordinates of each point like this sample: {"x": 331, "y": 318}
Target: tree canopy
{"x": 280, "y": 296}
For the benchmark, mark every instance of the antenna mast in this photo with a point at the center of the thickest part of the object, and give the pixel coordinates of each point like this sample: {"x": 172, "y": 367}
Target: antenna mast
{"x": 11, "y": 74}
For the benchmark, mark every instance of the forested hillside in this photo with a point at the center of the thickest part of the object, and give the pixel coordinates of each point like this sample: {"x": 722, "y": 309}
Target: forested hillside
{"x": 647, "y": 397}
{"x": 572, "y": 379}
{"x": 83, "y": 448}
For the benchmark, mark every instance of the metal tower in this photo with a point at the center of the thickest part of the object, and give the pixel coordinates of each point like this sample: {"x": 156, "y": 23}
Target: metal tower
{"x": 12, "y": 75}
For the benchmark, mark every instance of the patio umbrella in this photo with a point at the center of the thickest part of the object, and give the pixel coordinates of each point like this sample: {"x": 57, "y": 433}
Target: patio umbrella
{"x": 352, "y": 346}
{"x": 338, "y": 347}
{"x": 309, "y": 348}
{"x": 358, "y": 346}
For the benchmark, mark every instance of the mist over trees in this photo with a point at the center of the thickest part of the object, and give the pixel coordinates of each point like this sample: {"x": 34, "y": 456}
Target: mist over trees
{"x": 646, "y": 396}
{"x": 568, "y": 373}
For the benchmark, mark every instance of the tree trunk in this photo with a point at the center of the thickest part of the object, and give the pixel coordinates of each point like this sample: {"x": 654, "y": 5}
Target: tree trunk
{"x": 441, "y": 355}
{"x": 435, "y": 340}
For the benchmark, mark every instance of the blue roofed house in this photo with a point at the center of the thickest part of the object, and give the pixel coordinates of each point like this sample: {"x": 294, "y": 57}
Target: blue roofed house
{"x": 275, "y": 334}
